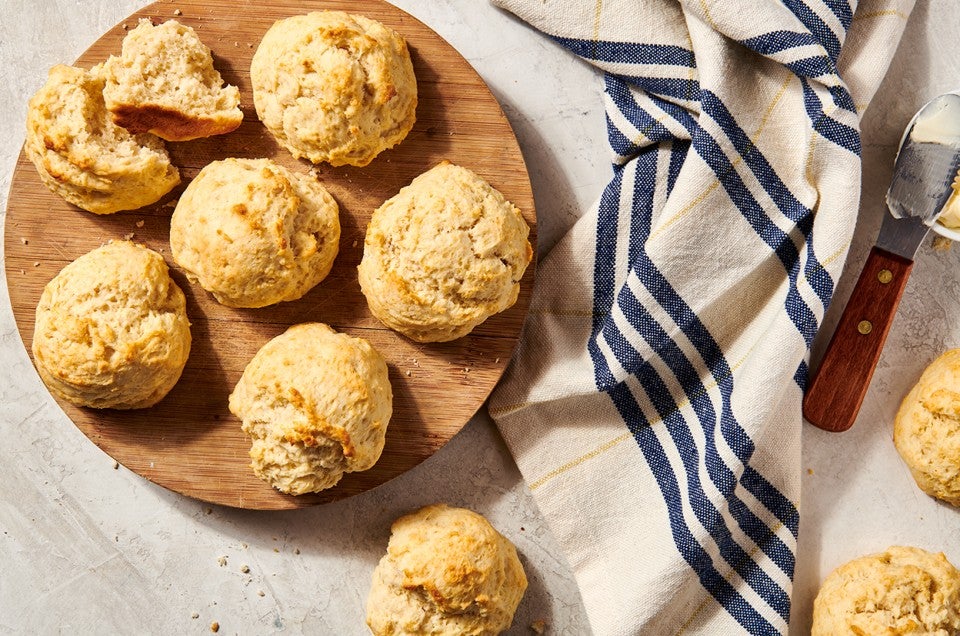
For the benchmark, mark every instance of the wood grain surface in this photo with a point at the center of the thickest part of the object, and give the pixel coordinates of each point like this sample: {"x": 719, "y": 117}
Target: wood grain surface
{"x": 189, "y": 442}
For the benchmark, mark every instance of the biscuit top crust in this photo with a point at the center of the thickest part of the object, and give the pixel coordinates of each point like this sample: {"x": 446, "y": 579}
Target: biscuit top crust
{"x": 334, "y": 87}
{"x": 904, "y": 590}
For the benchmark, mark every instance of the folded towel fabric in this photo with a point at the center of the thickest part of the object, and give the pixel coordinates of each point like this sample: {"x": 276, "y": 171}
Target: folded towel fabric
{"x": 654, "y": 403}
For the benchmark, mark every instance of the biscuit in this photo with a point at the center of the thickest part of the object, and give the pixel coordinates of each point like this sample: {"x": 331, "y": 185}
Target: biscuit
{"x": 443, "y": 255}
{"x": 904, "y": 590}
{"x": 111, "y": 329}
{"x": 316, "y": 404}
{"x": 447, "y": 571}
{"x": 333, "y": 87}
{"x": 86, "y": 158}
{"x": 926, "y": 430}
{"x": 164, "y": 82}
{"x": 253, "y": 233}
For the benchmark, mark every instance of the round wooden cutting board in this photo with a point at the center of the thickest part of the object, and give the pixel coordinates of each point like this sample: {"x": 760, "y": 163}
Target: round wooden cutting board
{"x": 190, "y": 442}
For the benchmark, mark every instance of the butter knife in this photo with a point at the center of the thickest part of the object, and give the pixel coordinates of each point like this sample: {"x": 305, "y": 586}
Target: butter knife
{"x": 926, "y": 164}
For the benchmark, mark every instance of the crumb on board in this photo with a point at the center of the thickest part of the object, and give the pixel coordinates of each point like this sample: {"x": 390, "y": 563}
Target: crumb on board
{"x": 128, "y": 236}
{"x": 177, "y": 12}
{"x": 214, "y": 626}
{"x": 171, "y": 204}
{"x": 409, "y": 373}
{"x": 245, "y": 569}
{"x": 497, "y": 361}
{"x": 538, "y": 626}
{"x": 124, "y": 26}
{"x": 22, "y": 271}
{"x": 24, "y": 240}
{"x": 36, "y": 263}
{"x": 139, "y": 223}
{"x": 354, "y": 243}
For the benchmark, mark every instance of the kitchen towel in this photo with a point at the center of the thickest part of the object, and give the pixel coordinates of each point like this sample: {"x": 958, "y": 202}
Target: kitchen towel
{"x": 653, "y": 406}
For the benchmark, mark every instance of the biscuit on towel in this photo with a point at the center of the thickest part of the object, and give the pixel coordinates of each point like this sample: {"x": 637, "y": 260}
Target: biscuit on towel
{"x": 334, "y": 87}
{"x": 443, "y": 255}
{"x": 86, "y": 158}
{"x": 111, "y": 329}
{"x": 316, "y": 404}
{"x": 253, "y": 233}
{"x": 447, "y": 571}
{"x": 904, "y": 590}
{"x": 163, "y": 82}
{"x": 926, "y": 430}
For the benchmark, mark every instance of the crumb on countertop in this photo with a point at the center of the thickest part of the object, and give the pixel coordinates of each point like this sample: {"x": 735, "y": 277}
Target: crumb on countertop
{"x": 261, "y": 593}
{"x": 116, "y": 465}
{"x": 941, "y": 244}
{"x": 214, "y": 626}
{"x": 195, "y": 615}
{"x": 245, "y": 569}
{"x": 222, "y": 560}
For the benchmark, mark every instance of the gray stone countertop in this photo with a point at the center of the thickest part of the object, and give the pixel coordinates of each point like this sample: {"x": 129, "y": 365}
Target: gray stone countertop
{"x": 87, "y": 548}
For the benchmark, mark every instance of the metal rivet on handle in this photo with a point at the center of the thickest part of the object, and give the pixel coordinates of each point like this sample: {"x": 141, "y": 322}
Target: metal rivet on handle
{"x": 884, "y": 276}
{"x": 864, "y": 327}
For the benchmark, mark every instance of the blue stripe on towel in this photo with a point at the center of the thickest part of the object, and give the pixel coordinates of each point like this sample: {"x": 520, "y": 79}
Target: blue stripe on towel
{"x": 691, "y": 551}
{"x": 817, "y": 27}
{"x": 629, "y": 52}
{"x": 724, "y": 478}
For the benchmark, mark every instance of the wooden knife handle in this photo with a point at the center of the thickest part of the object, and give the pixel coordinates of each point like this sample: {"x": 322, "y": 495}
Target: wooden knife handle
{"x": 835, "y": 393}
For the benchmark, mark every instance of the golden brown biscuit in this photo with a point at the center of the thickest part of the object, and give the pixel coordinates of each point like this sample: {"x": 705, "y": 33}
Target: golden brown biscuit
{"x": 164, "y": 83}
{"x": 904, "y": 590}
{"x": 316, "y": 404}
{"x": 926, "y": 430}
{"x": 112, "y": 329}
{"x": 443, "y": 255}
{"x": 253, "y": 233}
{"x": 447, "y": 571}
{"x": 86, "y": 158}
{"x": 334, "y": 87}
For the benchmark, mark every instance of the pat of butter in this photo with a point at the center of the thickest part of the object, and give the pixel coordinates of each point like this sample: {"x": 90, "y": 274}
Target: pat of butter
{"x": 939, "y": 123}
{"x": 950, "y": 216}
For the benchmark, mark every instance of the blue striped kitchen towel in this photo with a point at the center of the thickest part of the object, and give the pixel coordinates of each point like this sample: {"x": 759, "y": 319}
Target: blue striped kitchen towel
{"x": 654, "y": 404}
